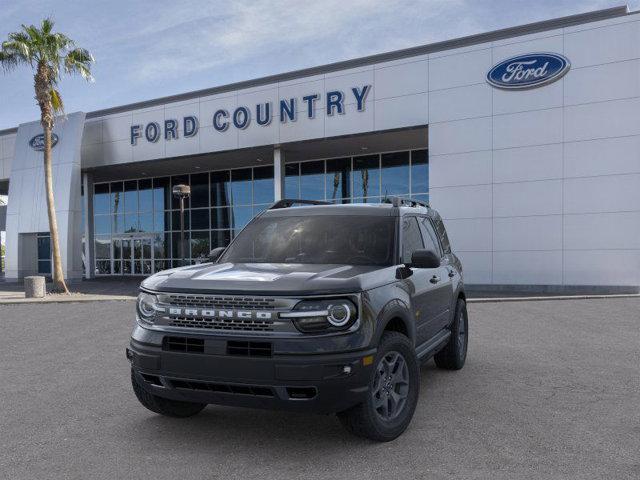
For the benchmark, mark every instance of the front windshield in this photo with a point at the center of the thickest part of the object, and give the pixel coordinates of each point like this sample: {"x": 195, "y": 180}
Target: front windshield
{"x": 348, "y": 240}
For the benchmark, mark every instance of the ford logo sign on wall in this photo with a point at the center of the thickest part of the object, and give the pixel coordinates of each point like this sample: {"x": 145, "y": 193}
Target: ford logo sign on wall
{"x": 528, "y": 71}
{"x": 37, "y": 142}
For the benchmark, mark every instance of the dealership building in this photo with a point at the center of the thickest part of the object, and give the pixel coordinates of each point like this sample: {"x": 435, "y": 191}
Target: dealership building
{"x": 526, "y": 140}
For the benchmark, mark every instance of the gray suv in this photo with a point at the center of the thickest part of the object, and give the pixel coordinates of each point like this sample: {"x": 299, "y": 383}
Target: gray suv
{"x": 313, "y": 307}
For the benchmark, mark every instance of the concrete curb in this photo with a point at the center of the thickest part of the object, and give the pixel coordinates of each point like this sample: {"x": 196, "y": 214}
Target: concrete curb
{"x": 67, "y": 299}
{"x": 544, "y": 299}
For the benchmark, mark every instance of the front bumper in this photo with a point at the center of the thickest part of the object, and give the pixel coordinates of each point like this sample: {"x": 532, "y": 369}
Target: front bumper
{"x": 319, "y": 383}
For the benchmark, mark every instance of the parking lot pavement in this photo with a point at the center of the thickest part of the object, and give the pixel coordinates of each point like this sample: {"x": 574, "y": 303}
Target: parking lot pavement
{"x": 550, "y": 390}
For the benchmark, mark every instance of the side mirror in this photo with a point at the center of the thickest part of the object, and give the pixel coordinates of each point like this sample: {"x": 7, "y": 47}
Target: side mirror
{"x": 214, "y": 254}
{"x": 425, "y": 259}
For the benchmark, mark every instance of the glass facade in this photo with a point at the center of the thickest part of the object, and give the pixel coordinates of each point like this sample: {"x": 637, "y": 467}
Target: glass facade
{"x": 137, "y": 222}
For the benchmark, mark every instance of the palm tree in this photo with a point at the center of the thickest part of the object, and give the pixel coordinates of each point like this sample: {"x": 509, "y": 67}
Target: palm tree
{"x": 47, "y": 53}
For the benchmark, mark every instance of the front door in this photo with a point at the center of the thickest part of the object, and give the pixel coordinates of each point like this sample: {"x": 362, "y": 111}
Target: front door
{"x": 133, "y": 255}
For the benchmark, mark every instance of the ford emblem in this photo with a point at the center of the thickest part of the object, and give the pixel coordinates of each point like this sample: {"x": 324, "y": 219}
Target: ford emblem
{"x": 37, "y": 142}
{"x": 528, "y": 71}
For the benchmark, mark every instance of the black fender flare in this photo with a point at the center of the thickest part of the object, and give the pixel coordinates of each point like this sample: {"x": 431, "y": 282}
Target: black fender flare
{"x": 395, "y": 309}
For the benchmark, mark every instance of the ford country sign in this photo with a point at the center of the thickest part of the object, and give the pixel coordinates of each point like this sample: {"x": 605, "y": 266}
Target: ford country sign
{"x": 528, "y": 71}
{"x": 37, "y": 142}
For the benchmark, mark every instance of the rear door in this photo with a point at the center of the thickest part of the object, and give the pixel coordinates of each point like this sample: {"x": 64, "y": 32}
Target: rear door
{"x": 419, "y": 284}
{"x": 442, "y": 292}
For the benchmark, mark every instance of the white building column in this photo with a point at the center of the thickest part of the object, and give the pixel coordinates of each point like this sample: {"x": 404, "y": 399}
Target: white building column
{"x": 278, "y": 173}
{"x": 87, "y": 186}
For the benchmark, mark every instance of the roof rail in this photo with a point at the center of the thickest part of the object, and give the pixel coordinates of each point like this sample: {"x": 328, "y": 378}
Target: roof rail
{"x": 290, "y": 202}
{"x": 405, "y": 202}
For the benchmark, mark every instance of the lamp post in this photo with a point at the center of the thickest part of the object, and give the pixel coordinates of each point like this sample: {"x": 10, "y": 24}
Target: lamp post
{"x": 181, "y": 192}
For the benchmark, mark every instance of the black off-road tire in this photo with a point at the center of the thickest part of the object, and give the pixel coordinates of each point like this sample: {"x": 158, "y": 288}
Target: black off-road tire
{"x": 454, "y": 354}
{"x": 164, "y": 406}
{"x": 363, "y": 420}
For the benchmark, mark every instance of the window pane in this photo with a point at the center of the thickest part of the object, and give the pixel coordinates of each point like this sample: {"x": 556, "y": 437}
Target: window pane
{"x": 220, "y": 189}
{"x": 220, "y": 218}
{"x": 126, "y": 249}
{"x": 145, "y": 222}
{"x": 131, "y": 222}
{"x": 101, "y": 198}
{"x": 126, "y": 267}
{"x": 263, "y": 185}
{"x": 429, "y": 236}
{"x": 220, "y": 238}
{"x": 161, "y": 265}
{"x": 44, "y": 266}
{"x": 312, "y": 180}
{"x": 161, "y": 194}
{"x": 366, "y": 176}
{"x": 292, "y": 180}
{"x": 200, "y": 244}
{"x": 200, "y": 190}
{"x": 161, "y": 221}
{"x": 179, "y": 180}
{"x": 102, "y": 224}
{"x": 395, "y": 173}
{"x": 116, "y": 197}
{"x": 118, "y": 223}
{"x": 117, "y": 267}
{"x": 175, "y": 220}
{"x": 241, "y": 186}
{"x": 44, "y": 247}
{"x": 103, "y": 247}
{"x": 338, "y": 179}
{"x": 131, "y": 196}
{"x": 419, "y": 171}
{"x": 145, "y": 195}
{"x": 103, "y": 267}
{"x": 411, "y": 238}
{"x": 175, "y": 245}
{"x": 241, "y": 216}
{"x": 117, "y": 248}
{"x": 161, "y": 244}
{"x": 200, "y": 219}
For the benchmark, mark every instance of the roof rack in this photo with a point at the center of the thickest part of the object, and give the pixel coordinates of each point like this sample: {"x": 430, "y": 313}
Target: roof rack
{"x": 290, "y": 202}
{"x": 404, "y": 202}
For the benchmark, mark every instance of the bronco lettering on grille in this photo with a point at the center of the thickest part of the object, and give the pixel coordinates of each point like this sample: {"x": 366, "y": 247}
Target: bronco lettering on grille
{"x": 212, "y": 313}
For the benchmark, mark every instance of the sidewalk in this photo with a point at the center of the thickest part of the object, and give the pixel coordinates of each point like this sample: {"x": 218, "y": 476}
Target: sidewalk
{"x": 85, "y": 291}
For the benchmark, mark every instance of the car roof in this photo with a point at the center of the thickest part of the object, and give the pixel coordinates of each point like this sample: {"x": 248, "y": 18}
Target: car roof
{"x": 360, "y": 209}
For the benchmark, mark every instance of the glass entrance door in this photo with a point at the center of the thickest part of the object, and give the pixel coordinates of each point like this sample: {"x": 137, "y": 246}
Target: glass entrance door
{"x": 133, "y": 255}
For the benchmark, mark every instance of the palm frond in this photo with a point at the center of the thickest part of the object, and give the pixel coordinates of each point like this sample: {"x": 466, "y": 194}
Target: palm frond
{"x": 56, "y": 101}
{"x": 79, "y": 60}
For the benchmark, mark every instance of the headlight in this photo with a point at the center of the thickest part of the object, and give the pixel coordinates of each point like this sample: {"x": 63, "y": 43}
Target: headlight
{"x": 314, "y": 316}
{"x": 146, "y": 306}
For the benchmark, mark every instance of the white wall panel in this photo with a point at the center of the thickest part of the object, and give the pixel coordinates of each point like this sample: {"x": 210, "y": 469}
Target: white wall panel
{"x": 352, "y": 121}
{"x": 612, "y": 193}
{"x": 92, "y": 133}
{"x": 603, "y": 45}
{"x": 509, "y": 101}
{"x": 527, "y": 198}
{"x": 601, "y": 120}
{"x": 602, "y": 157}
{"x": 398, "y": 112}
{"x": 477, "y": 267}
{"x": 117, "y": 152}
{"x": 302, "y": 129}
{"x": 400, "y": 80}
{"x": 471, "y": 168}
{"x": 599, "y": 83}
{"x": 542, "y": 232}
{"x": 527, "y": 268}
{"x": 460, "y": 136}
{"x": 460, "y": 103}
{"x": 470, "y": 234}
{"x": 117, "y": 127}
{"x": 540, "y": 162}
{"x": 527, "y": 128}
{"x": 462, "y": 202}
{"x": 602, "y": 267}
{"x": 212, "y": 140}
{"x": 458, "y": 70}
{"x": 602, "y": 231}
{"x": 344, "y": 82}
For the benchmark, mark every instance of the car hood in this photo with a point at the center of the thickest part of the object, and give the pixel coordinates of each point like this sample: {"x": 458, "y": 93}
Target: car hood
{"x": 270, "y": 278}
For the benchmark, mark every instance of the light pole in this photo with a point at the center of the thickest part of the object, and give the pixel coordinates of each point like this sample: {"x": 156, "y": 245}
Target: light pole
{"x": 181, "y": 192}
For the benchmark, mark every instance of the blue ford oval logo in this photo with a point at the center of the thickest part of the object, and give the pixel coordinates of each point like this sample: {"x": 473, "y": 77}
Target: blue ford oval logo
{"x": 528, "y": 71}
{"x": 37, "y": 142}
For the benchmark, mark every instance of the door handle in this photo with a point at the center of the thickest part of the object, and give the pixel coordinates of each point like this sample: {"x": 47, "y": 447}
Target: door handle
{"x": 435, "y": 279}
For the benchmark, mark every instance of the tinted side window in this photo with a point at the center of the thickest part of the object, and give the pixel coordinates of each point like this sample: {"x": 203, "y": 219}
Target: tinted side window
{"x": 411, "y": 238}
{"x": 430, "y": 239}
{"x": 442, "y": 234}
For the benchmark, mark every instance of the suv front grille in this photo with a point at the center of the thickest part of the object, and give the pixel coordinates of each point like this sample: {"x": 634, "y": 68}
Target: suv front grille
{"x": 216, "y": 301}
{"x": 249, "y": 349}
{"x": 183, "y": 344}
{"x": 244, "y": 325}
{"x": 223, "y": 388}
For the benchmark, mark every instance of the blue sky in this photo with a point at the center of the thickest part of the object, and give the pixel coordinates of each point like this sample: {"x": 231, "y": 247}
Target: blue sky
{"x": 145, "y": 50}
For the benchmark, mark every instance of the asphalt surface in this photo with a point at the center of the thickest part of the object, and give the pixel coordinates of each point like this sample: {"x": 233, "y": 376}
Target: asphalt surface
{"x": 551, "y": 389}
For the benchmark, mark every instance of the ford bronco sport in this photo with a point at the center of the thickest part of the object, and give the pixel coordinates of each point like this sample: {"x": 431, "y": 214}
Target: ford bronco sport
{"x": 316, "y": 308}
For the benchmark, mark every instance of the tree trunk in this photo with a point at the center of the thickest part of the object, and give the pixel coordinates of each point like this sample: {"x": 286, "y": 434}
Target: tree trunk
{"x": 59, "y": 285}
{"x": 42, "y": 84}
